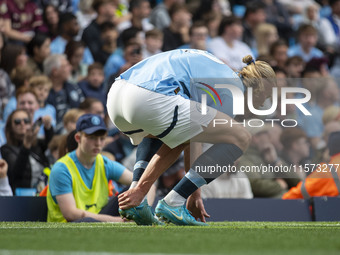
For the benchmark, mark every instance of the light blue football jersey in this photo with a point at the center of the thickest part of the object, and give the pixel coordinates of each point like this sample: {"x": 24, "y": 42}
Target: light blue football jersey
{"x": 188, "y": 73}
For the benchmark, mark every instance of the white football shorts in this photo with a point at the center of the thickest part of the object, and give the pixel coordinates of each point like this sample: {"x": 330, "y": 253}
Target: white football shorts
{"x": 138, "y": 112}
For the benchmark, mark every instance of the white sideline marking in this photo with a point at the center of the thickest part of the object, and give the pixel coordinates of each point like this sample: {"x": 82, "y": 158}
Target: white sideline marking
{"x": 38, "y": 252}
{"x": 107, "y": 225}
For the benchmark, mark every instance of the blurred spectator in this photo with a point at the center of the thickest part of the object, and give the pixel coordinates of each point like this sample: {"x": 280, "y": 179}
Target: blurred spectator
{"x": 325, "y": 93}
{"x": 5, "y": 188}
{"x": 93, "y": 86}
{"x": 70, "y": 119}
{"x": 62, "y": 5}
{"x": 105, "y": 10}
{"x": 38, "y": 49}
{"x": 294, "y": 67}
{"x": 296, "y": 6}
{"x": 278, "y": 15}
{"x": 177, "y": 33}
{"x": 255, "y": 15}
{"x": 212, "y": 22}
{"x": 51, "y": 21}
{"x": 262, "y": 152}
{"x": 332, "y": 37}
{"x": 228, "y": 46}
{"x": 69, "y": 28}
{"x": 214, "y": 7}
{"x": 323, "y": 181}
{"x": 140, "y": 10}
{"x": 331, "y": 113}
{"x": 63, "y": 95}
{"x": 198, "y": 33}
{"x": 42, "y": 85}
{"x": 234, "y": 185}
{"x": 320, "y": 64}
{"x": 13, "y": 56}
{"x": 307, "y": 39}
{"x": 132, "y": 55}
{"x": 27, "y": 100}
{"x": 74, "y": 52}
{"x": 278, "y": 51}
{"x": 228, "y": 185}
{"x": 311, "y": 16}
{"x": 116, "y": 60}
{"x": 23, "y": 152}
{"x": 130, "y": 35}
{"x": 265, "y": 35}
{"x": 52, "y": 152}
{"x": 20, "y": 78}
{"x": 85, "y": 15}
{"x": 322, "y": 154}
{"x": 160, "y": 17}
{"x": 312, "y": 81}
{"x": 296, "y": 149}
{"x": 93, "y": 106}
{"x": 153, "y": 43}
{"x": 109, "y": 36}
{"x": 64, "y": 201}
{"x": 6, "y": 86}
{"x": 17, "y": 28}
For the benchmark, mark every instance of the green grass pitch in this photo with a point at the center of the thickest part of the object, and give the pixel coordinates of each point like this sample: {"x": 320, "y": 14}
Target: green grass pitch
{"x": 25, "y": 238}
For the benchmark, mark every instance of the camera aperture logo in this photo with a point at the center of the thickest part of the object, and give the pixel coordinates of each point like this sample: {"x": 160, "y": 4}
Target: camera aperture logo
{"x": 239, "y": 104}
{"x": 204, "y": 97}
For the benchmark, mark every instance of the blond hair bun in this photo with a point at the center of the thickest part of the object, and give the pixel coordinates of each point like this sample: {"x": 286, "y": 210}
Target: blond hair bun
{"x": 247, "y": 59}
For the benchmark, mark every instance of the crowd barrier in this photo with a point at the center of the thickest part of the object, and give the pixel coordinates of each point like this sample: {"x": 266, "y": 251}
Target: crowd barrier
{"x": 257, "y": 209}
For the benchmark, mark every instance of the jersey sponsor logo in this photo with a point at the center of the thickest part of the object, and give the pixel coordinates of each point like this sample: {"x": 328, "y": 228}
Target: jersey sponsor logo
{"x": 89, "y": 206}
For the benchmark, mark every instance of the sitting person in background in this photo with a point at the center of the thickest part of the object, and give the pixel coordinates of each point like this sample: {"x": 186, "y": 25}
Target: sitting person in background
{"x": 5, "y": 189}
{"x": 198, "y": 33}
{"x": 27, "y": 100}
{"x": 38, "y": 49}
{"x": 93, "y": 106}
{"x": 307, "y": 39}
{"x": 228, "y": 45}
{"x": 41, "y": 85}
{"x": 153, "y": 43}
{"x": 20, "y": 78}
{"x": 52, "y": 152}
{"x": 295, "y": 149}
{"x": 70, "y": 119}
{"x": 74, "y": 51}
{"x": 93, "y": 86}
{"x": 23, "y": 152}
{"x": 20, "y": 19}
{"x": 228, "y": 185}
{"x": 325, "y": 179}
{"x": 78, "y": 185}
{"x": 262, "y": 152}
{"x": 63, "y": 95}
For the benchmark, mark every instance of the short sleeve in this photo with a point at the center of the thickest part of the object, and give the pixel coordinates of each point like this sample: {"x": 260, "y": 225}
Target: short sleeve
{"x": 60, "y": 181}
{"x": 114, "y": 170}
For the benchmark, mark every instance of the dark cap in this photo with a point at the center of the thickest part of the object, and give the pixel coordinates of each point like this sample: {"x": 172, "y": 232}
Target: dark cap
{"x": 90, "y": 123}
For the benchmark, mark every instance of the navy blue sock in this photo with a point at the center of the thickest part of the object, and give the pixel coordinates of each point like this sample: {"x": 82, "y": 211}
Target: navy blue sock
{"x": 218, "y": 154}
{"x": 145, "y": 151}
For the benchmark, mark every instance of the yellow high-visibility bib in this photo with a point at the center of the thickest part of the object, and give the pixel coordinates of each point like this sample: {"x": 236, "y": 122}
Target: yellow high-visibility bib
{"x": 92, "y": 200}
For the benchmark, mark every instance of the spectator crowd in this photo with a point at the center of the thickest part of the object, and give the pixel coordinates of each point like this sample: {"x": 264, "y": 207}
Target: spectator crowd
{"x": 58, "y": 59}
